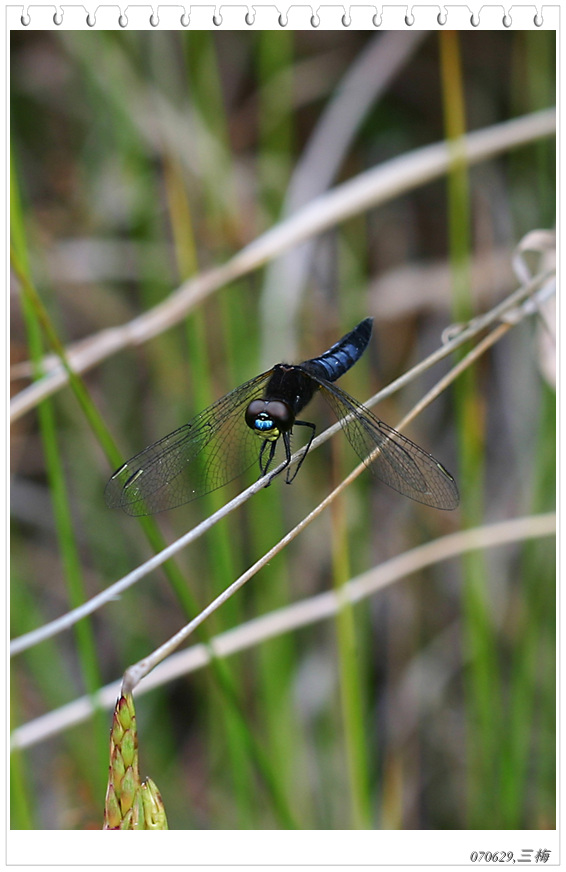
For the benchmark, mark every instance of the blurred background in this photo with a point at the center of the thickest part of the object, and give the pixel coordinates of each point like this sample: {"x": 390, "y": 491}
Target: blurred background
{"x": 142, "y": 158}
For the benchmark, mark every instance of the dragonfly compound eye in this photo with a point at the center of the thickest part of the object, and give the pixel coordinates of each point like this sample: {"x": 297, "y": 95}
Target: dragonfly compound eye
{"x": 269, "y": 418}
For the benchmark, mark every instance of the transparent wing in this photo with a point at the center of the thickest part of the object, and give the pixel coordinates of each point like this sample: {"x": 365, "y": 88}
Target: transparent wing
{"x": 203, "y": 455}
{"x": 400, "y": 463}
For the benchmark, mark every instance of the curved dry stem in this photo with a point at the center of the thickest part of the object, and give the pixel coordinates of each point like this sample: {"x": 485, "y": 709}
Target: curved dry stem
{"x": 289, "y": 618}
{"x": 513, "y": 303}
{"x": 367, "y": 190}
{"x": 365, "y": 80}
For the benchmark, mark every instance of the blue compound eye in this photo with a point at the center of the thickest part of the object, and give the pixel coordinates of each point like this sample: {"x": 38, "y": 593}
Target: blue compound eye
{"x": 263, "y": 423}
{"x": 267, "y": 416}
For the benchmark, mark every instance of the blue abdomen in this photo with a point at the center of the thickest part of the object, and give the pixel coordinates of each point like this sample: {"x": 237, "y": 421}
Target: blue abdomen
{"x": 343, "y": 354}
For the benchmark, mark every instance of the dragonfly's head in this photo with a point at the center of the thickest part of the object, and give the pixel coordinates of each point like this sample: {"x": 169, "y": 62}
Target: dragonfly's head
{"x": 269, "y": 418}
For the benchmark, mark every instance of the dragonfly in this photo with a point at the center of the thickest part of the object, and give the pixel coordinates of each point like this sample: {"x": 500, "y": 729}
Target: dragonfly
{"x": 253, "y": 424}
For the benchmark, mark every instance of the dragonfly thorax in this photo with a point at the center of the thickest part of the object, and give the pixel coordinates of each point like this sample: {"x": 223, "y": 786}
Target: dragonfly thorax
{"x": 269, "y": 418}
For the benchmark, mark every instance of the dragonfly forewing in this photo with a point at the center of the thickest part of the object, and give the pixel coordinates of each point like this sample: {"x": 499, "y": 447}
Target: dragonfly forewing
{"x": 389, "y": 455}
{"x": 209, "y": 451}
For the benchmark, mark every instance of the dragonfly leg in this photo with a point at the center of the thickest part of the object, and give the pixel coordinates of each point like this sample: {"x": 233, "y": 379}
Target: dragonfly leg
{"x": 287, "y": 442}
{"x": 264, "y": 465}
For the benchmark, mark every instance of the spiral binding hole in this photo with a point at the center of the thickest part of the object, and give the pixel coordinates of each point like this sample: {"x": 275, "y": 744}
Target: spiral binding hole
{"x": 538, "y": 20}
{"x": 441, "y": 18}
